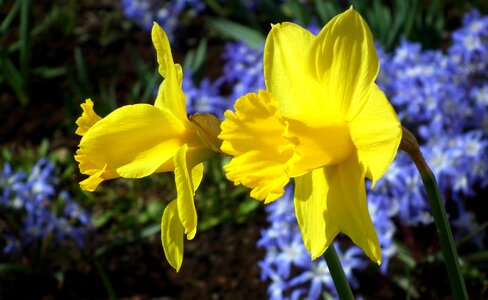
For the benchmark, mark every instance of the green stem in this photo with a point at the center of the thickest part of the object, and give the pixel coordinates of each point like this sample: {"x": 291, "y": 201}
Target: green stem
{"x": 105, "y": 280}
{"x": 409, "y": 144}
{"x": 337, "y": 273}
{"x": 24, "y": 38}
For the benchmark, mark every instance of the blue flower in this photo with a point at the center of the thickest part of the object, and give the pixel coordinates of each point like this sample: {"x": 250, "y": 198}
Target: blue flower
{"x": 166, "y": 13}
{"x": 205, "y": 97}
{"x": 243, "y": 69}
{"x": 32, "y": 201}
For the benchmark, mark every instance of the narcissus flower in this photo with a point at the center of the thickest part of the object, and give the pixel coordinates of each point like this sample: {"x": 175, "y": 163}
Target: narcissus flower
{"x": 135, "y": 141}
{"x": 322, "y": 121}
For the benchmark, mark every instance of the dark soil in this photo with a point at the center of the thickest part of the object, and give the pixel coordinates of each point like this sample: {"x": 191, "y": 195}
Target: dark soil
{"x": 219, "y": 264}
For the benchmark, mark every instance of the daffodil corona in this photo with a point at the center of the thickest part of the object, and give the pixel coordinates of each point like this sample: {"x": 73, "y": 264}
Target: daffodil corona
{"x": 322, "y": 121}
{"x": 135, "y": 141}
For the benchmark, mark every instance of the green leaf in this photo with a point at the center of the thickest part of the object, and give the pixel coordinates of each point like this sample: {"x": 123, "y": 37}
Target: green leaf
{"x": 249, "y": 36}
{"x": 248, "y": 206}
{"x": 196, "y": 57}
{"x": 5, "y": 25}
{"x": 326, "y": 10}
{"x": 14, "y": 268}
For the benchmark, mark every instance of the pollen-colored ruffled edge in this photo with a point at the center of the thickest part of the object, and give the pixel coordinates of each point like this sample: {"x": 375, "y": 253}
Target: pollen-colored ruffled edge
{"x": 87, "y": 119}
{"x": 91, "y": 183}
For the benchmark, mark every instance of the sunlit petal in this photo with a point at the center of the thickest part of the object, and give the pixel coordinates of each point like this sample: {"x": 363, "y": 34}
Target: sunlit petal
{"x": 313, "y": 215}
{"x": 132, "y": 142}
{"x": 185, "y": 190}
{"x": 285, "y": 75}
{"x": 172, "y": 235}
{"x": 88, "y": 118}
{"x": 91, "y": 183}
{"x": 346, "y": 201}
{"x": 253, "y": 135}
{"x": 170, "y": 95}
{"x": 376, "y": 133}
{"x": 344, "y": 60}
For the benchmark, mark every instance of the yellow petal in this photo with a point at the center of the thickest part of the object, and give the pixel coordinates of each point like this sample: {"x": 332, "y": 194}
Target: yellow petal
{"x": 91, "y": 183}
{"x": 185, "y": 187}
{"x": 344, "y": 60}
{"x": 313, "y": 216}
{"x": 172, "y": 235}
{"x": 285, "y": 74}
{"x": 253, "y": 135}
{"x": 170, "y": 95}
{"x": 197, "y": 176}
{"x": 348, "y": 208}
{"x": 376, "y": 133}
{"x": 87, "y": 119}
{"x": 132, "y": 142}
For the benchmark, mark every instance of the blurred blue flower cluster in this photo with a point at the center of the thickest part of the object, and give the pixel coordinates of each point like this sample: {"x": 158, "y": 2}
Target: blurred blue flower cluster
{"x": 44, "y": 211}
{"x": 166, "y": 13}
{"x": 204, "y": 97}
{"x": 442, "y": 96}
{"x": 243, "y": 69}
{"x": 287, "y": 265}
{"x": 242, "y": 74}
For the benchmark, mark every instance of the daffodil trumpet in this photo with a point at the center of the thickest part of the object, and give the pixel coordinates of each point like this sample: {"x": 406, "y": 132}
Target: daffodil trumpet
{"x": 138, "y": 140}
{"x": 322, "y": 121}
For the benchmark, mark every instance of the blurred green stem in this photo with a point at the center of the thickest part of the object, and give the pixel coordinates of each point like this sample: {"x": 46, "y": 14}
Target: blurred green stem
{"x": 337, "y": 273}
{"x": 410, "y": 145}
{"x": 24, "y": 38}
{"x": 105, "y": 280}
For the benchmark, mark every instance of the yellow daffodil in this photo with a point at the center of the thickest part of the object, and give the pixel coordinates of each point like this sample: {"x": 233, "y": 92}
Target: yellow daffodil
{"x": 135, "y": 141}
{"x": 322, "y": 121}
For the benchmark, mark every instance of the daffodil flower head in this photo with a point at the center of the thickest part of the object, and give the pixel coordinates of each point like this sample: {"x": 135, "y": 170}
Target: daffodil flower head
{"x": 138, "y": 140}
{"x": 322, "y": 121}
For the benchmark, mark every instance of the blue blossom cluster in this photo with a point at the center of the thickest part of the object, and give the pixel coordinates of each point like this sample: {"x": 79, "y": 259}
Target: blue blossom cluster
{"x": 287, "y": 264}
{"x": 204, "y": 97}
{"x": 43, "y": 210}
{"x": 442, "y": 97}
{"x": 166, "y": 13}
{"x": 243, "y": 69}
{"x": 242, "y": 74}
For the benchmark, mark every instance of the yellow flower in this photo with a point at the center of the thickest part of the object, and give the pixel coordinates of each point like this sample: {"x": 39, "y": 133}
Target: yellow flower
{"x": 322, "y": 121}
{"x": 135, "y": 141}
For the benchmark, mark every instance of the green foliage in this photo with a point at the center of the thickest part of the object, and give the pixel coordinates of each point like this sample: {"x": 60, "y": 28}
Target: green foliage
{"x": 219, "y": 201}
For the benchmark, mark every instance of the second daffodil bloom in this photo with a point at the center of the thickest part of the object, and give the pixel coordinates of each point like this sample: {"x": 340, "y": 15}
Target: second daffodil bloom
{"x": 322, "y": 121}
{"x": 135, "y": 141}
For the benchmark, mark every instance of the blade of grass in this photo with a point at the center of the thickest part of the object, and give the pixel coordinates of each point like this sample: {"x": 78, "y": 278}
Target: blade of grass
{"x": 151, "y": 86}
{"x": 24, "y": 38}
{"x": 10, "y": 17}
{"x": 105, "y": 280}
{"x": 14, "y": 78}
{"x": 82, "y": 73}
{"x": 251, "y": 37}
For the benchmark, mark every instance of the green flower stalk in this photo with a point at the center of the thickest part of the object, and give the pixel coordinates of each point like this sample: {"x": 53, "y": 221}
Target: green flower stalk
{"x": 410, "y": 145}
